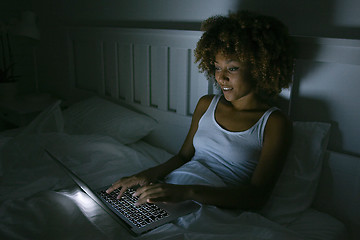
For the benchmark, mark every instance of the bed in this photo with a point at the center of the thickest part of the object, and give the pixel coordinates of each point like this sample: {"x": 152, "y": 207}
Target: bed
{"x": 130, "y": 96}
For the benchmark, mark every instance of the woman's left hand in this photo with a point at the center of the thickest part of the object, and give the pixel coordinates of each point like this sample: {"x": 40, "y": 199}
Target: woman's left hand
{"x": 161, "y": 192}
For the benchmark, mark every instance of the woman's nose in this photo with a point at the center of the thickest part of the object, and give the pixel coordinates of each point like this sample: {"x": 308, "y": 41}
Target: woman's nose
{"x": 222, "y": 77}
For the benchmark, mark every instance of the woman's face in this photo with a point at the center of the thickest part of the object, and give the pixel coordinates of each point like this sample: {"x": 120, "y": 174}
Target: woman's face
{"x": 233, "y": 77}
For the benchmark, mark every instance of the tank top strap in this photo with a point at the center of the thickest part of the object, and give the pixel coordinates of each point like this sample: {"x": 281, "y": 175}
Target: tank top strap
{"x": 262, "y": 122}
{"x": 210, "y": 111}
{"x": 214, "y": 103}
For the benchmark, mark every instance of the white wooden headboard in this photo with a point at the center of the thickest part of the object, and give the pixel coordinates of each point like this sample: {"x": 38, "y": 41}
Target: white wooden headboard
{"x": 153, "y": 68}
{"x": 150, "y": 70}
{"x": 154, "y": 72}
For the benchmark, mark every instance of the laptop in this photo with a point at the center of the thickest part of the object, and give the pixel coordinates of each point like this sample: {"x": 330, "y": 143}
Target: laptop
{"x": 136, "y": 219}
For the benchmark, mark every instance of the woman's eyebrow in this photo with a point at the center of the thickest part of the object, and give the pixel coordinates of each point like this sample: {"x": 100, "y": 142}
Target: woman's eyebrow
{"x": 228, "y": 61}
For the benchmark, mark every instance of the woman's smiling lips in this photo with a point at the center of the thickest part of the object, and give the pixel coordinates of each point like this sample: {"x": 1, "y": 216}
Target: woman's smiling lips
{"x": 226, "y": 88}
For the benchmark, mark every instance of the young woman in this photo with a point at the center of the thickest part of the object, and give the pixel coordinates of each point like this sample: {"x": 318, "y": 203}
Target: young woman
{"x": 237, "y": 142}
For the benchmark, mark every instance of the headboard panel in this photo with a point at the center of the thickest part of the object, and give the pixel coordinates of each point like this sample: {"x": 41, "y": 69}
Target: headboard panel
{"x": 154, "y": 71}
{"x": 152, "y": 68}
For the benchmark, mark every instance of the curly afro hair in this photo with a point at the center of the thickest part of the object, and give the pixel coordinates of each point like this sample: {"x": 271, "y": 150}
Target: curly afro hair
{"x": 261, "y": 42}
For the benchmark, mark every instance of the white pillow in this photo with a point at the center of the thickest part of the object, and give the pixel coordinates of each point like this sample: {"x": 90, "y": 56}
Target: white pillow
{"x": 296, "y": 186}
{"x": 99, "y": 116}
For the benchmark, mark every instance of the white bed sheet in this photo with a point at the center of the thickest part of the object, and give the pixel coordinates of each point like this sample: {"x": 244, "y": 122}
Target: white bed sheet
{"x": 38, "y": 201}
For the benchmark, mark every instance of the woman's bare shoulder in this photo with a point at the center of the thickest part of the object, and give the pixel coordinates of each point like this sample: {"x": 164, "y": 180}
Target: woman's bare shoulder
{"x": 279, "y": 117}
{"x": 279, "y": 121}
{"x": 204, "y": 102}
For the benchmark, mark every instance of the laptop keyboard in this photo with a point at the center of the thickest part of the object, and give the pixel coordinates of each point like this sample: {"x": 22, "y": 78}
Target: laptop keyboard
{"x": 140, "y": 216}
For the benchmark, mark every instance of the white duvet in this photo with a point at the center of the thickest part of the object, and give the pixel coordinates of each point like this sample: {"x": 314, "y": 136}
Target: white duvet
{"x": 39, "y": 201}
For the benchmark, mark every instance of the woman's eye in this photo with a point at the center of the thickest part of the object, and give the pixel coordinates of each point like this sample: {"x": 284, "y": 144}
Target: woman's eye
{"x": 232, "y": 69}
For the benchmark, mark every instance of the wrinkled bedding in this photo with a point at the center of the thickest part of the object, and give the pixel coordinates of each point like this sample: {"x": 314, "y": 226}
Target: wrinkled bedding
{"x": 39, "y": 201}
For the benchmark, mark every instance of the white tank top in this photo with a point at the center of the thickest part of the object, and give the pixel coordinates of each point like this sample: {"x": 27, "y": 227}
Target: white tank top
{"x": 232, "y": 156}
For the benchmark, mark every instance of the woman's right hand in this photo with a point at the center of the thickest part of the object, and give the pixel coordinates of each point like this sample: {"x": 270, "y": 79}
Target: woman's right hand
{"x": 142, "y": 179}
{"x": 152, "y": 175}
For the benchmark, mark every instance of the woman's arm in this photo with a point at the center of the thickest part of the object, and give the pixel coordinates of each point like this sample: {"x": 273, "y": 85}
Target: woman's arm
{"x": 254, "y": 195}
{"x": 185, "y": 154}
{"x": 277, "y": 142}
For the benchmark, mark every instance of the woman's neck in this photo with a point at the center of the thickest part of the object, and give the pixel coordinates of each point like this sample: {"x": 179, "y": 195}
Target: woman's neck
{"x": 247, "y": 103}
